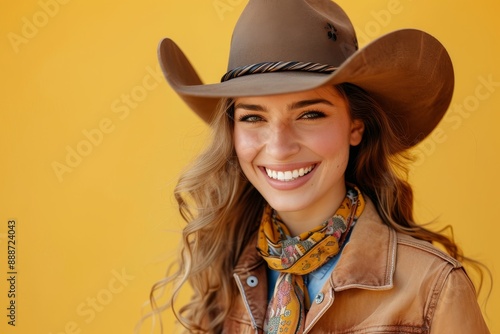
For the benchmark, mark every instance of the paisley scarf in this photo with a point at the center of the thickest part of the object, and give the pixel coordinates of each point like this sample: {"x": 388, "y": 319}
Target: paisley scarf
{"x": 298, "y": 256}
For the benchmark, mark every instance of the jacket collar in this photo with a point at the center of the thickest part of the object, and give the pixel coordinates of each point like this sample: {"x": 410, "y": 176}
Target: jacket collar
{"x": 368, "y": 260}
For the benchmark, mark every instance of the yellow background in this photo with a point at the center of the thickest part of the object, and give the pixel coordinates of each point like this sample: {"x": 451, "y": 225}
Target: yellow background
{"x": 93, "y": 237}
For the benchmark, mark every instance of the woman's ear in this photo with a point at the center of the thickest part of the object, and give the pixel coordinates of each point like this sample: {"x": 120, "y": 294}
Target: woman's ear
{"x": 357, "y": 130}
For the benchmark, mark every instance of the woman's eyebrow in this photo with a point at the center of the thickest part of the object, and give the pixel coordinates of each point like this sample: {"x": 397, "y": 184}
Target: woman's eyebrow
{"x": 307, "y": 103}
{"x": 294, "y": 105}
{"x": 251, "y": 107}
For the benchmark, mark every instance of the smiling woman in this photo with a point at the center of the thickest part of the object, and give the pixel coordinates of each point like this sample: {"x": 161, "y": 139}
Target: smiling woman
{"x": 308, "y": 134}
{"x": 299, "y": 216}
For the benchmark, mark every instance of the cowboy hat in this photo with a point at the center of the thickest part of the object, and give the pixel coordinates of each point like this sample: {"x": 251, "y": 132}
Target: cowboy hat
{"x": 284, "y": 46}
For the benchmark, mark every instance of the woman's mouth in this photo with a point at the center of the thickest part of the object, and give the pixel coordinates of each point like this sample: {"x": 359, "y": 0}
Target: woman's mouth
{"x": 289, "y": 175}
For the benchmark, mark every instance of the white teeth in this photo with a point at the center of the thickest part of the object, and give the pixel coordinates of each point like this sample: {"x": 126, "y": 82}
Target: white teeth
{"x": 288, "y": 175}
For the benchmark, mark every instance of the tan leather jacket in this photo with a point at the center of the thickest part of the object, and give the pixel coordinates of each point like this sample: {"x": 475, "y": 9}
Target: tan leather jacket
{"x": 384, "y": 282}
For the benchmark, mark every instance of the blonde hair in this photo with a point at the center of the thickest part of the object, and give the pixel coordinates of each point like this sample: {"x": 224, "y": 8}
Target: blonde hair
{"x": 218, "y": 204}
{"x": 222, "y": 209}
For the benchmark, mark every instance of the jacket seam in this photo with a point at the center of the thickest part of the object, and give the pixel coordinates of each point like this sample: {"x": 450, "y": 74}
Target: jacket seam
{"x": 435, "y": 295}
{"x": 387, "y": 328}
{"x": 391, "y": 257}
{"x": 430, "y": 250}
{"x": 364, "y": 287}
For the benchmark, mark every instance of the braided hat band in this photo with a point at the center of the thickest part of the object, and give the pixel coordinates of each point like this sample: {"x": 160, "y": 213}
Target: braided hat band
{"x": 278, "y": 66}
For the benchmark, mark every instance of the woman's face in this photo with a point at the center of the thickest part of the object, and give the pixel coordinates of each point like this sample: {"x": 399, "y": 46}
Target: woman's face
{"x": 294, "y": 148}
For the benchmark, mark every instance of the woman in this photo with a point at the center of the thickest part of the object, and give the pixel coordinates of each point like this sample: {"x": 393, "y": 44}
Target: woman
{"x": 299, "y": 216}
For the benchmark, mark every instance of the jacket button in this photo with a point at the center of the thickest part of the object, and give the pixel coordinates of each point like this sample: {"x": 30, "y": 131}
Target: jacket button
{"x": 252, "y": 281}
{"x": 319, "y": 298}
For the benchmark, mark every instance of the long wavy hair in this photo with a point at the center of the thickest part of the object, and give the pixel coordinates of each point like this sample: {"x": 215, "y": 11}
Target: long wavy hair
{"x": 222, "y": 209}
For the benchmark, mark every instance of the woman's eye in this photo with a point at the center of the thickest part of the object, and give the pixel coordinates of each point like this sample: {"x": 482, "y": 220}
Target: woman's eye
{"x": 312, "y": 115}
{"x": 250, "y": 118}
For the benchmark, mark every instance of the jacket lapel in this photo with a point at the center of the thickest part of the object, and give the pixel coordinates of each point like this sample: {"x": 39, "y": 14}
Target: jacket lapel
{"x": 251, "y": 278}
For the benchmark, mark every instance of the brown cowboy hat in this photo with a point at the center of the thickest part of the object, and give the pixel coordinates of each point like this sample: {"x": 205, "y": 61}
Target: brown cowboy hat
{"x": 284, "y": 46}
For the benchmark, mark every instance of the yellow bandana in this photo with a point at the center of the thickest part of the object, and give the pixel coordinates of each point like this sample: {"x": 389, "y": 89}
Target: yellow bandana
{"x": 298, "y": 256}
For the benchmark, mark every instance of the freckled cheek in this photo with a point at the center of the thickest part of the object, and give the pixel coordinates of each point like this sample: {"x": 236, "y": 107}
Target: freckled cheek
{"x": 247, "y": 145}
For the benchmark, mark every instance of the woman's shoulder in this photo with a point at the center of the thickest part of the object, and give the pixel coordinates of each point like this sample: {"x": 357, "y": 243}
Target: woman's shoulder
{"x": 398, "y": 243}
{"x": 424, "y": 250}
{"x": 424, "y": 266}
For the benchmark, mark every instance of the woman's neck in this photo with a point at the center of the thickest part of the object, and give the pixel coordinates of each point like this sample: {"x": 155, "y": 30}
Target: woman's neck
{"x": 305, "y": 220}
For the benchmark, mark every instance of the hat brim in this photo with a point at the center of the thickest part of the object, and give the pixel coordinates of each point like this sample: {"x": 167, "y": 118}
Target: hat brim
{"x": 408, "y": 72}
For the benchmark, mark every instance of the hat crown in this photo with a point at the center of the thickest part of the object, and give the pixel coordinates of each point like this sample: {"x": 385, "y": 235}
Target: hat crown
{"x": 315, "y": 31}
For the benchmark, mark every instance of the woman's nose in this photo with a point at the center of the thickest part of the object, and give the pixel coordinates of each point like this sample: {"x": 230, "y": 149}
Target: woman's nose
{"x": 282, "y": 142}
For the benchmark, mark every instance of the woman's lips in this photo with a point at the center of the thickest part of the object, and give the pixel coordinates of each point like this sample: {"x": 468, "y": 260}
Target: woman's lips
{"x": 288, "y": 178}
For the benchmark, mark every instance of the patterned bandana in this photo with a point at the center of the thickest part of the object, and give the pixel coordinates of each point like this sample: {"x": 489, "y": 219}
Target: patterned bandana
{"x": 298, "y": 256}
